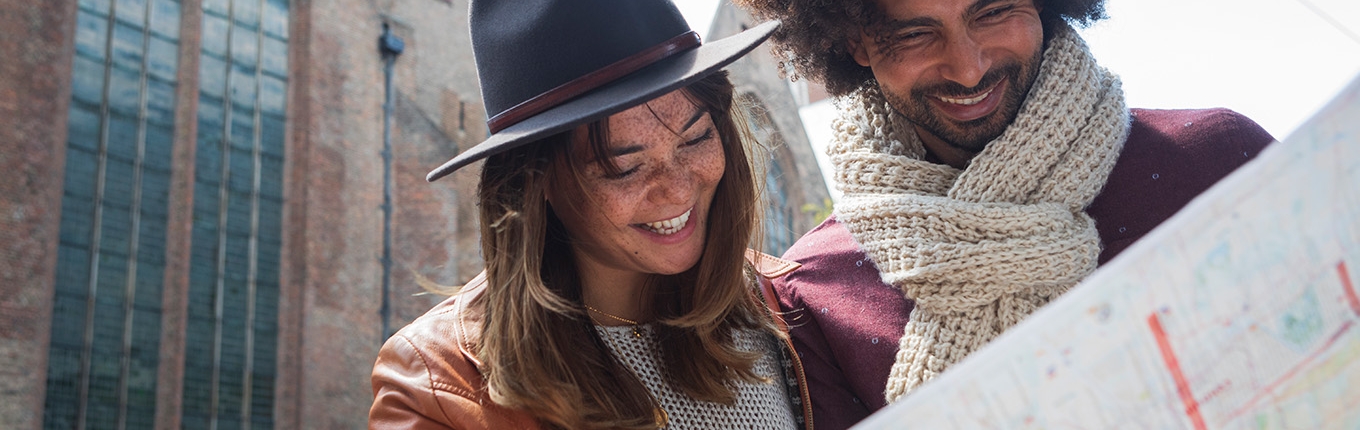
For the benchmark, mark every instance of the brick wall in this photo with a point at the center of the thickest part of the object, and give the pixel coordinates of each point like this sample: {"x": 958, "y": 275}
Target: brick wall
{"x": 37, "y": 47}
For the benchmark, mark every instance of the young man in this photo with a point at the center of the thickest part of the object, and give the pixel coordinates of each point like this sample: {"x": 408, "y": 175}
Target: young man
{"x": 988, "y": 164}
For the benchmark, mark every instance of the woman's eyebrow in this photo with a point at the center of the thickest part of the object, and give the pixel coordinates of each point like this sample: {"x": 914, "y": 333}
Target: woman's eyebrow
{"x": 693, "y": 119}
{"x": 624, "y": 150}
{"x": 630, "y": 149}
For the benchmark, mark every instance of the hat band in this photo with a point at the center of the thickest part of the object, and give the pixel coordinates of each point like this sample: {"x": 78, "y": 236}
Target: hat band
{"x": 592, "y": 80}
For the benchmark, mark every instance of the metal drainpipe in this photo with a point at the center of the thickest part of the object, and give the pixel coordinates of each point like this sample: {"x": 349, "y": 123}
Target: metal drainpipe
{"x": 391, "y": 46}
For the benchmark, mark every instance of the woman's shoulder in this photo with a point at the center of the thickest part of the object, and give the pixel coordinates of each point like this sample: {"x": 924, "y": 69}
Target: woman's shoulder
{"x": 450, "y": 328}
{"x": 427, "y": 372}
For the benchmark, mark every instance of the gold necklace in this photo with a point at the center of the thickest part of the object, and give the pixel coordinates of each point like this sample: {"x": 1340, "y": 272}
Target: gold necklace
{"x": 659, "y": 414}
{"x": 636, "y": 333}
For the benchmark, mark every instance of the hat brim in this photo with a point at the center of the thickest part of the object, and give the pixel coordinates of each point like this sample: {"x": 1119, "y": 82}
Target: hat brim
{"x": 645, "y": 84}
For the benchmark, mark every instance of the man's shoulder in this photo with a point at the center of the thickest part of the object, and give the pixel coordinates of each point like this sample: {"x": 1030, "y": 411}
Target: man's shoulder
{"x": 1171, "y": 156}
{"x": 830, "y": 257}
{"x": 830, "y": 239}
{"x": 1195, "y": 132}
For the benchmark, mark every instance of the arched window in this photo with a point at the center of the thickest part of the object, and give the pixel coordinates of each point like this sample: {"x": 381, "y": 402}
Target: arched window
{"x": 779, "y": 211}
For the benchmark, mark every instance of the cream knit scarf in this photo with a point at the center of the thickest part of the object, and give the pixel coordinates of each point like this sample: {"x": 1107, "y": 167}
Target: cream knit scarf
{"x": 980, "y": 249}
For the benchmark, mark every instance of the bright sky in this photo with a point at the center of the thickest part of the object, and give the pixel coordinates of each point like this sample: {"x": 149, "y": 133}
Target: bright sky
{"x": 1276, "y": 61}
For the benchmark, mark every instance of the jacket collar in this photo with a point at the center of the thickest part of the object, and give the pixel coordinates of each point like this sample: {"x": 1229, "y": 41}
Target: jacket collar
{"x": 468, "y": 330}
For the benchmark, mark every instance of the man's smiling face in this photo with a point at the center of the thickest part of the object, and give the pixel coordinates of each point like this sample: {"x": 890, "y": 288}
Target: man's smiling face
{"x": 958, "y": 69}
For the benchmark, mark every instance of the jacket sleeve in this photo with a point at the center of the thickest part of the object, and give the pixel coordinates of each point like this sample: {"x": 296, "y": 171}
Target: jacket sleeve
{"x": 403, "y": 393}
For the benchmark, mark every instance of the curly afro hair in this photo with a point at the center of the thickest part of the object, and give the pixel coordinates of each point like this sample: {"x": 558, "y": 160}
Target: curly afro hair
{"x": 811, "y": 41}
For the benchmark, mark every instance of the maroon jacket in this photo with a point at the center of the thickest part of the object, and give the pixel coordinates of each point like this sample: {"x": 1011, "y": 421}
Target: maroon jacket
{"x": 845, "y": 322}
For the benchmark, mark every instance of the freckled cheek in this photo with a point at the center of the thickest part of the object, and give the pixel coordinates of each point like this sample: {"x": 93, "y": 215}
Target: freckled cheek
{"x": 713, "y": 164}
{"x": 618, "y": 203}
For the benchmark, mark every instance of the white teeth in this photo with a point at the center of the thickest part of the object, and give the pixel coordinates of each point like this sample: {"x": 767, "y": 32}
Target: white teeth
{"x": 968, "y": 101}
{"x": 670, "y": 226}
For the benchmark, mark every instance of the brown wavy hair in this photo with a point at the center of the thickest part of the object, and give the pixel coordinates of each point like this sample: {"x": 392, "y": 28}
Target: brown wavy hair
{"x": 540, "y": 349}
{"x": 811, "y": 41}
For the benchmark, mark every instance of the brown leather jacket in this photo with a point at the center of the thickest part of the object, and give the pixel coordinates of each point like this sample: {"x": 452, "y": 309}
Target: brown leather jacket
{"x": 427, "y": 375}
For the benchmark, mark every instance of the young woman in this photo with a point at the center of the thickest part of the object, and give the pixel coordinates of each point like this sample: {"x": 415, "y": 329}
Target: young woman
{"x": 617, "y": 199}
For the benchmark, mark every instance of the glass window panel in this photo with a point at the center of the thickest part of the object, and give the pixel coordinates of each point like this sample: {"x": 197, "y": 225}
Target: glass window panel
{"x": 220, "y": 7}
{"x": 122, "y": 139}
{"x": 274, "y": 57}
{"x": 160, "y": 102}
{"x": 208, "y": 167}
{"x": 77, "y": 213}
{"x": 214, "y": 33}
{"x": 242, "y": 129}
{"x": 778, "y": 234}
{"x": 141, "y": 412}
{"x": 270, "y": 169}
{"x": 132, "y": 12}
{"x": 123, "y": 143}
{"x": 82, "y": 125}
{"x": 272, "y": 98}
{"x": 162, "y": 59}
{"x": 87, "y": 80}
{"x": 200, "y": 325}
{"x": 145, "y": 342}
{"x": 245, "y": 48}
{"x": 238, "y": 228}
{"x": 212, "y": 76}
{"x": 242, "y": 87}
{"x": 127, "y": 46}
{"x": 72, "y": 283}
{"x": 267, "y": 267}
{"x": 100, "y": 7}
{"x": 92, "y": 31}
{"x": 69, "y": 333}
{"x": 276, "y": 18}
{"x": 81, "y": 167}
{"x": 165, "y": 17}
{"x": 272, "y": 136}
{"x": 63, "y": 371}
{"x": 155, "y": 206}
{"x": 115, "y": 226}
{"x": 108, "y": 326}
{"x": 210, "y": 118}
{"x": 242, "y": 177}
{"x": 247, "y": 13}
{"x": 125, "y": 91}
{"x": 150, "y": 259}
{"x": 159, "y": 149}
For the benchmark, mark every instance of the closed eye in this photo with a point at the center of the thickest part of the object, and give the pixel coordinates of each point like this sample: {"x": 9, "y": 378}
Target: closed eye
{"x": 910, "y": 35}
{"x": 708, "y": 135}
{"x": 992, "y": 13}
{"x": 623, "y": 174}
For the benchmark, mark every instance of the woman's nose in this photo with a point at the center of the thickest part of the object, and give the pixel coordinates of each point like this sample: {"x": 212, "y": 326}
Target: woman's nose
{"x": 673, "y": 183}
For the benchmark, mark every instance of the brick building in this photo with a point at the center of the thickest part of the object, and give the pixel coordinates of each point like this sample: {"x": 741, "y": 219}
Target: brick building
{"x": 211, "y": 219}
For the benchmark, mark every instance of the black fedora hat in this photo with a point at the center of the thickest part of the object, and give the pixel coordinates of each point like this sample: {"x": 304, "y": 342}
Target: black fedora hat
{"x": 547, "y": 66}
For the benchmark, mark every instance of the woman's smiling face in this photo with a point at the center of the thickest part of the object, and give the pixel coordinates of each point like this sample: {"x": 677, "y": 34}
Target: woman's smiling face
{"x": 652, "y": 216}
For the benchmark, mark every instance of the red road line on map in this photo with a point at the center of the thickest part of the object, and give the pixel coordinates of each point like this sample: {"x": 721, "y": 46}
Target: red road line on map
{"x": 1182, "y": 387}
{"x": 1348, "y": 287}
{"x": 1290, "y": 374}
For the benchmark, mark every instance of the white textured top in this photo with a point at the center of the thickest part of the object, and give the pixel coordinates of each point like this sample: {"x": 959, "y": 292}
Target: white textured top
{"x": 758, "y": 406}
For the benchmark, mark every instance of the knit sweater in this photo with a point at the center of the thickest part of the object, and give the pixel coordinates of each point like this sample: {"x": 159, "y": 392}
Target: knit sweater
{"x": 759, "y": 405}
{"x": 846, "y": 322}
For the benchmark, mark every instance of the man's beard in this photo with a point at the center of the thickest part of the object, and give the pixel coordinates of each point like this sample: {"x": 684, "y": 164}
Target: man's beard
{"x": 973, "y": 135}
